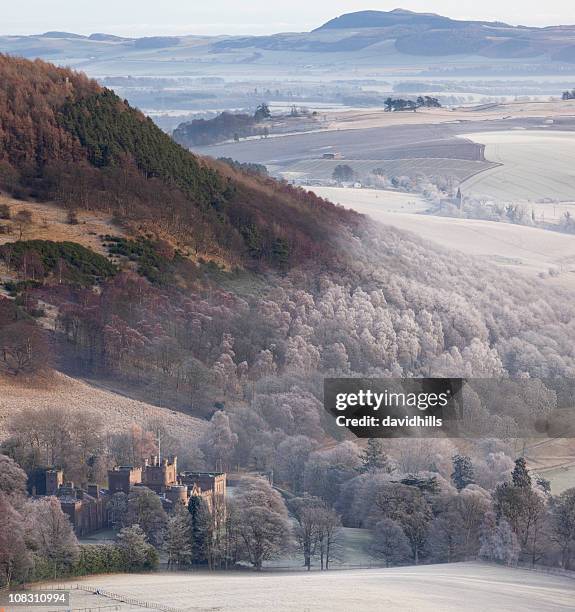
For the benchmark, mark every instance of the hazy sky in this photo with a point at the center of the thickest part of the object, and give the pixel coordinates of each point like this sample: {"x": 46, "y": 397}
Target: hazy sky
{"x": 152, "y": 17}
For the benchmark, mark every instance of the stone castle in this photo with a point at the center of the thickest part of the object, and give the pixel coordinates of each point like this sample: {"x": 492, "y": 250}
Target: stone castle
{"x": 87, "y": 507}
{"x": 162, "y": 477}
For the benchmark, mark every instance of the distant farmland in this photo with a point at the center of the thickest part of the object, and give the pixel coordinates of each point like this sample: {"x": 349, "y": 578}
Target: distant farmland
{"x": 535, "y": 165}
{"x": 322, "y": 169}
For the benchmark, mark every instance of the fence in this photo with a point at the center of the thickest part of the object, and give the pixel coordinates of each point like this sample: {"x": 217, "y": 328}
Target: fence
{"x": 547, "y": 569}
{"x": 127, "y": 600}
{"x": 90, "y": 609}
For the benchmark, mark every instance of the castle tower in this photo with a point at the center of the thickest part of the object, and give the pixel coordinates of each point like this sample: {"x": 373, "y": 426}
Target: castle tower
{"x": 54, "y": 480}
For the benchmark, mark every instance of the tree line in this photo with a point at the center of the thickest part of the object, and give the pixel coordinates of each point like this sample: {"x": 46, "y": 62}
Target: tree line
{"x": 225, "y": 126}
{"x": 401, "y": 104}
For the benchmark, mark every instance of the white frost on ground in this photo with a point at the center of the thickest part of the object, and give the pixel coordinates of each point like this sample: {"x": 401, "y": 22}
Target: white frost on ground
{"x": 536, "y": 164}
{"x": 526, "y": 249}
{"x": 471, "y": 587}
{"x": 380, "y": 200}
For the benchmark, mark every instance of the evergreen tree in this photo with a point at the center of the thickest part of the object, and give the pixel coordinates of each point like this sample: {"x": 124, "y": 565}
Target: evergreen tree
{"x": 520, "y": 474}
{"x": 374, "y": 458}
{"x": 201, "y": 530}
{"x": 462, "y": 474}
{"x": 179, "y": 545}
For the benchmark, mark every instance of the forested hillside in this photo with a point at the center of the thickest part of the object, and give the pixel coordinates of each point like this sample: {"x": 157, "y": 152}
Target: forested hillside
{"x": 65, "y": 138}
{"x": 230, "y": 297}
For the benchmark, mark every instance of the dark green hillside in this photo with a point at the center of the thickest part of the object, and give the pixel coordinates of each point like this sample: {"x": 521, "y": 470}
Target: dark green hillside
{"x": 109, "y": 130}
{"x": 40, "y": 258}
{"x": 65, "y": 138}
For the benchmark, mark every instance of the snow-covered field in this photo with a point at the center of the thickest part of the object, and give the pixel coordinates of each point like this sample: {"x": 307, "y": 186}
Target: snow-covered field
{"x": 378, "y": 200}
{"x": 434, "y": 588}
{"x": 425, "y": 166}
{"x": 526, "y": 249}
{"x": 536, "y": 164}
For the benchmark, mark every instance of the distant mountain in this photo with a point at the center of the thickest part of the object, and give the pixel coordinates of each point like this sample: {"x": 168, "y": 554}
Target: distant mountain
{"x": 61, "y": 35}
{"x": 428, "y": 34}
{"x": 370, "y": 39}
{"x": 98, "y": 36}
{"x": 382, "y": 19}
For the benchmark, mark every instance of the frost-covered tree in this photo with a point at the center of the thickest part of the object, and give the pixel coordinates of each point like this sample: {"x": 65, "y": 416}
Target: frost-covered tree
{"x": 498, "y": 541}
{"x": 563, "y": 525}
{"x": 138, "y": 553}
{"x": 329, "y": 537}
{"x": 145, "y": 510}
{"x": 306, "y": 511}
{"x": 219, "y": 441}
{"x": 374, "y": 458}
{"x": 327, "y": 471}
{"x": 53, "y": 535}
{"x": 389, "y": 543}
{"x": 446, "y": 538}
{"x": 291, "y": 457}
{"x": 12, "y": 478}
{"x": 261, "y": 522}
{"x": 15, "y": 557}
{"x": 410, "y": 508}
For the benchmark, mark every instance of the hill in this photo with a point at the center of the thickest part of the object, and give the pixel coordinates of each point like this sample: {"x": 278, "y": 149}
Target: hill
{"x": 364, "y": 38}
{"x": 65, "y": 138}
{"x": 383, "y": 19}
{"x": 117, "y": 412}
{"x": 428, "y": 35}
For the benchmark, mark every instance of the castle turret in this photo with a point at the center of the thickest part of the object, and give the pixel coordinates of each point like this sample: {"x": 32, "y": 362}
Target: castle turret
{"x": 54, "y": 480}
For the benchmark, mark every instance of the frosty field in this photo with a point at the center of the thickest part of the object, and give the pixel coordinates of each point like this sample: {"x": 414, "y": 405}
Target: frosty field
{"x": 378, "y": 200}
{"x": 535, "y": 165}
{"x": 323, "y": 169}
{"x": 526, "y": 249}
{"x": 425, "y": 589}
